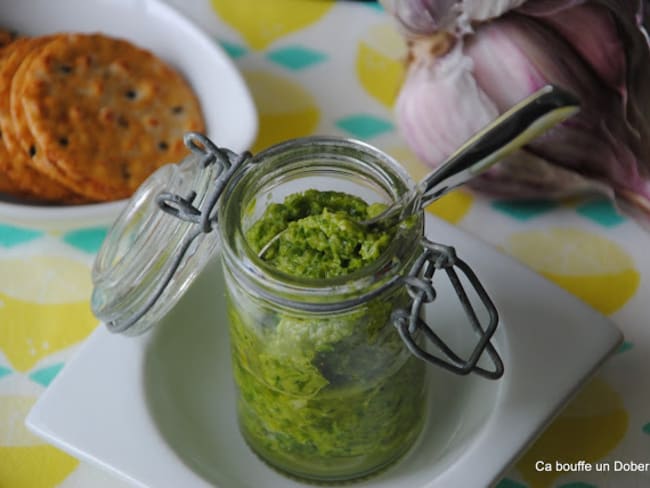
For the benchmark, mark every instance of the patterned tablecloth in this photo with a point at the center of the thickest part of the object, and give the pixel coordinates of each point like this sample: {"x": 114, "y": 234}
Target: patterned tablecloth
{"x": 335, "y": 68}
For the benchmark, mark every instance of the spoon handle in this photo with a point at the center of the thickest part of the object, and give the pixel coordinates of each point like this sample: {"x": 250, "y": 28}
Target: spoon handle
{"x": 510, "y": 131}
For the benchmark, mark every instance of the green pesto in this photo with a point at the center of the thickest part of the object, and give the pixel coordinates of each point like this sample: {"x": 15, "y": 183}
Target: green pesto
{"x": 324, "y": 396}
{"x": 319, "y": 236}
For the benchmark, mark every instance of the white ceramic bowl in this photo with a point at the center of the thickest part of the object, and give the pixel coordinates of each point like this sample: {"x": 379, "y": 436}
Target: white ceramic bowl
{"x": 227, "y": 105}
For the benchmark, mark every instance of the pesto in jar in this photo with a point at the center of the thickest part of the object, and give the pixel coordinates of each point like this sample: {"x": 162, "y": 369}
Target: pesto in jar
{"x": 318, "y": 234}
{"x": 324, "y": 396}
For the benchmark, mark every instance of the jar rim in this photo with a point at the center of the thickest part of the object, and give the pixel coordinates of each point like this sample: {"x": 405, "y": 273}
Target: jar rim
{"x": 335, "y": 153}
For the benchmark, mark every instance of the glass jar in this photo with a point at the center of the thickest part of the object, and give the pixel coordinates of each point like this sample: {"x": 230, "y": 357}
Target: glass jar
{"x": 327, "y": 389}
{"x": 330, "y": 372}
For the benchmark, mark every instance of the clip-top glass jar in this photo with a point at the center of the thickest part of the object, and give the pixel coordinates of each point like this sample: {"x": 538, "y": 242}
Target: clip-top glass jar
{"x": 329, "y": 370}
{"x": 327, "y": 389}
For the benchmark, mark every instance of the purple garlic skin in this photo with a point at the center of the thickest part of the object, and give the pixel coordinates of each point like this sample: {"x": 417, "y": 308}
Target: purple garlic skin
{"x": 497, "y": 53}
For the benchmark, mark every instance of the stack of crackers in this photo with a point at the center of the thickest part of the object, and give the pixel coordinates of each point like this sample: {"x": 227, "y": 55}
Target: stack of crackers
{"x": 87, "y": 117}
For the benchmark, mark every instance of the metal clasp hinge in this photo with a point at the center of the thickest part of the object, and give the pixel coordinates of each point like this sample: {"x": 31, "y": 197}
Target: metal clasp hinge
{"x": 419, "y": 283}
{"x": 226, "y": 161}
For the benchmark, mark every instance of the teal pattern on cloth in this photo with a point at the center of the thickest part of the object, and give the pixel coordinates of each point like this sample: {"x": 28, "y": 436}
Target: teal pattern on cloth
{"x": 13, "y": 236}
{"x": 625, "y": 346}
{"x": 364, "y": 126}
{"x": 577, "y": 484}
{"x": 523, "y": 210}
{"x": 44, "y": 376}
{"x": 375, "y": 5}
{"x": 233, "y": 50}
{"x": 4, "y": 371}
{"x": 88, "y": 240}
{"x": 602, "y": 212}
{"x": 508, "y": 483}
{"x": 296, "y": 57}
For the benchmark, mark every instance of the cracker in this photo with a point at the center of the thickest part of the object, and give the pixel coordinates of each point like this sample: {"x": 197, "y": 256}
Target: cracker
{"x": 20, "y": 126}
{"x": 105, "y": 113}
{"x": 7, "y": 186}
{"x": 7, "y": 37}
{"x": 18, "y": 166}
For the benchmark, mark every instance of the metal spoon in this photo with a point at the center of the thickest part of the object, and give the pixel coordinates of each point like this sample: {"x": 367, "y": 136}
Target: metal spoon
{"x": 510, "y": 131}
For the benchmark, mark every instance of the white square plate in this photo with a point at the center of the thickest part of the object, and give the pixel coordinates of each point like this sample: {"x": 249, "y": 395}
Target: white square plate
{"x": 159, "y": 410}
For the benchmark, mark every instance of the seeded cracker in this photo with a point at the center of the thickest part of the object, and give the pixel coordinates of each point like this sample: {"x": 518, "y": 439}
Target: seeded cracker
{"x": 21, "y": 128}
{"x": 106, "y": 114}
{"x": 18, "y": 166}
{"x": 7, "y": 37}
{"x": 6, "y": 185}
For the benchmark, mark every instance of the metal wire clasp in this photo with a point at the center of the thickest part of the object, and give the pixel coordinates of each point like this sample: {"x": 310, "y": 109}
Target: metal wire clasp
{"x": 419, "y": 283}
{"x": 226, "y": 162}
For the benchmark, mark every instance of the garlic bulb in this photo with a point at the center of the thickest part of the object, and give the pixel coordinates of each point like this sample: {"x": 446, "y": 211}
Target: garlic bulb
{"x": 472, "y": 60}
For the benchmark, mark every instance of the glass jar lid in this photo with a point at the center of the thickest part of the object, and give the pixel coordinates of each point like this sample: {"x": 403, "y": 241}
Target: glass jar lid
{"x": 150, "y": 256}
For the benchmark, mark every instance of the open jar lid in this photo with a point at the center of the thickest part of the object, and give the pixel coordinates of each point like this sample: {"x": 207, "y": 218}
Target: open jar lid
{"x": 150, "y": 257}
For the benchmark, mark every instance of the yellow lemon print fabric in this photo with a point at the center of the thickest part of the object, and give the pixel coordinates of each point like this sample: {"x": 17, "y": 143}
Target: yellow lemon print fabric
{"x": 452, "y": 207}
{"x": 272, "y": 19}
{"x": 591, "y": 426}
{"x": 380, "y": 63}
{"x": 25, "y": 462}
{"x": 286, "y": 109}
{"x": 44, "y": 307}
{"x": 588, "y": 265}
